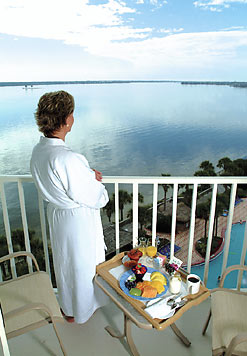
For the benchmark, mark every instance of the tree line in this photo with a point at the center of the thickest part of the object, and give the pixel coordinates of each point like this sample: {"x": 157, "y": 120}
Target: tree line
{"x": 224, "y": 167}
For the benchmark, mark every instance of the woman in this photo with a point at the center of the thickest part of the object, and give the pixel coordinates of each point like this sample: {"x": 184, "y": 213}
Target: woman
{"x": 75, "y": 195}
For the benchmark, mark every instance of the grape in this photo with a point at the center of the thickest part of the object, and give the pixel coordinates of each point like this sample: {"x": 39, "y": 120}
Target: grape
{"x": 169, "y": 268}
{"x": 130, "y": 284}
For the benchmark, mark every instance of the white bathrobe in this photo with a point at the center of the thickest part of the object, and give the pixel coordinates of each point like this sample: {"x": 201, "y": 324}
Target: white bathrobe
{"x": 75, "y": 198}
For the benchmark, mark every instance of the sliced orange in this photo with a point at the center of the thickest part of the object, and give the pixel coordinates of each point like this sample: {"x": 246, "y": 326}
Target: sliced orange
{"x": 158, "y": 285}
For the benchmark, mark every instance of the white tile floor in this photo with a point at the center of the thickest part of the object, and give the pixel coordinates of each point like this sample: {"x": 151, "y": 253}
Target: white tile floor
{"x": 91, "y": 339}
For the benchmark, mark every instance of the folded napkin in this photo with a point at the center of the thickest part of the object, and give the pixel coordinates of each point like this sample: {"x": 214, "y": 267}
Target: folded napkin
{"x": 118, "y": 271}
{"x": 161, "y": 309}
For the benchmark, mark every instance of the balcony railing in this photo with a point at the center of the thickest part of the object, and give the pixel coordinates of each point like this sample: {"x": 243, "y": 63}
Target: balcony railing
{"x": 135, "y": 182}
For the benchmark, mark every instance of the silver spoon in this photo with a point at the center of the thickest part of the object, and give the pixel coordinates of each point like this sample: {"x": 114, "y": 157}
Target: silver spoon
{"x": 172, "y": 300}
{"x": 178, "y": 305}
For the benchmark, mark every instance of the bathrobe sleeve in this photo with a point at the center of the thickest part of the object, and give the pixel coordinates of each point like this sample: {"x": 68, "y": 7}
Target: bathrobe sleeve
{"x": 79, "y": 181}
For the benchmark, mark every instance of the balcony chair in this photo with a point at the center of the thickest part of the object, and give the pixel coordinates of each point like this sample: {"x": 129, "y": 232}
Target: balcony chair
{"x": 229, "y": 318}
{"x": 28, "y": 302}
{"x": 3, "y": 337}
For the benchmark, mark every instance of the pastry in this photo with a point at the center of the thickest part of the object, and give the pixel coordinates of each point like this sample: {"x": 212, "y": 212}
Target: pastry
{"x": 149, "y": 292}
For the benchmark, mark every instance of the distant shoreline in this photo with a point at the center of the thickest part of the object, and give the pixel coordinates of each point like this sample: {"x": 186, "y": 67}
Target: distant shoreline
{"x": 231, "y": 84}
{"x": 29, "y": 85}
{"x": 6, "y": 84}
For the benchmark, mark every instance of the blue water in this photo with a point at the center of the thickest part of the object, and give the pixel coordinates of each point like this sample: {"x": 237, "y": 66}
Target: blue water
{"x": 141, "y": 129}
{"x": 235, "y": 250}
{"x": 133, "y": 129}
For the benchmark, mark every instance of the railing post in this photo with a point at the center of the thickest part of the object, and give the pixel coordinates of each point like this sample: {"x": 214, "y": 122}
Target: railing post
{"x": 7, "y": 228}
{"x": 135, "y": 214}
{"x": 229, "y": 226}
{"x": 210, "y": 232}
{"x": 192, "y": 227}
{"x": 154, "y": 219}
{"x": 117, "y": 216}
{"x": 44, "y": 235}
{"x": 174, "y": 215}
{"x": 24, "y": 223}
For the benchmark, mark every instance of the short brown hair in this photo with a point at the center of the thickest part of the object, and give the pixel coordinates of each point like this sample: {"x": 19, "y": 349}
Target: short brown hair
{"x": 53, "y": 110}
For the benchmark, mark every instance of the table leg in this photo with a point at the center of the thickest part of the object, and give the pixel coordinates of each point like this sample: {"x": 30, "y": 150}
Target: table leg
{"x": 180, "y": 335}
{"x": 127, "y": 334}
{"x": 206, "y": 324}
{"x": 127, "y": 327}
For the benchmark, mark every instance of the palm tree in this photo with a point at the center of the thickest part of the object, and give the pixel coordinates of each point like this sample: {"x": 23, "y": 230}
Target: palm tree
{"x": 227, "y": 166}
{"x": 144, "y": 215}
{"x": 140, "y": 197}
{"x": 109, "y": 208}
{"x": 124, "y": 198}
{"x": 220, "y": 206}
{"x": 202, "y": 212}
{"x": 238, "y": 167}
{"x": 206, "y": 170}
{"x": 165, "y": 187}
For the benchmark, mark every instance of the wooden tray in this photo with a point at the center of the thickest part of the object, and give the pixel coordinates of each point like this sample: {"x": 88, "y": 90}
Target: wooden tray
{"x": 193, "y": 299}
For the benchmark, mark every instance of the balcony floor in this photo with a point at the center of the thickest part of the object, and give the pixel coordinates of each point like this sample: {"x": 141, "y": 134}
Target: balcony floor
{"x": 92, "y": 339}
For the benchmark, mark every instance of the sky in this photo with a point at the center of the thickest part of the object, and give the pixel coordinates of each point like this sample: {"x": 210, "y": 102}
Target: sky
{"x": 123, "y": 40}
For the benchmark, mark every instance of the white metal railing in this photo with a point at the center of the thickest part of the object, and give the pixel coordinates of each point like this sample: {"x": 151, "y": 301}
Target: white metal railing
{"x": 215, "y": 182}
{"x": 3, "y": 337}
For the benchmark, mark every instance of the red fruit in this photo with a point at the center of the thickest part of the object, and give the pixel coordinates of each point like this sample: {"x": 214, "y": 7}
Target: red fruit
{"x": 139, "y": 269}
{"x": 134, "y": 254}
{"x": 130, "y": 264}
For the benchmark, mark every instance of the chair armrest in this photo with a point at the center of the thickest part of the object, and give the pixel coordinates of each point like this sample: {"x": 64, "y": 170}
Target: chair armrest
{"x": 230, "y": 269}
{"x": 20, "y": 253}
{"x": 28, "y": 307}
{"x": 236, "y": 340}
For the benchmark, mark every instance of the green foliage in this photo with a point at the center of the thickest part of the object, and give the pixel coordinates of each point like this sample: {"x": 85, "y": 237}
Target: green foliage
{"x": 165, "y": 188}
{"x": 144, "y": 215}
{"x": 206, "y": 170}
{"x": 201, "y": 245}
{"x": 18, "y": 242}
{"x": 237, "y": 167}
{"x": 125, "y": 198}
{"x": 187, "y": 196}
{"x": 164, "y": 223}
{"x": 109, "y": 208}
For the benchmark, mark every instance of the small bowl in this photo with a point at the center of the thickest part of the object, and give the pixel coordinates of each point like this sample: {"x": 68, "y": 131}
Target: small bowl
{"x": 139, "y": 271}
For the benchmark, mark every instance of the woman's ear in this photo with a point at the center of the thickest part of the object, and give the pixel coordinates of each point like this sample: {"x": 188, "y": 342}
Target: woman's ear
{"x": 69, "y": 121}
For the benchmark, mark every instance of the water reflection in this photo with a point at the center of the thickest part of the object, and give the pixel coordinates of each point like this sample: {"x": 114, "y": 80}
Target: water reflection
{"x": 132, "y": 129}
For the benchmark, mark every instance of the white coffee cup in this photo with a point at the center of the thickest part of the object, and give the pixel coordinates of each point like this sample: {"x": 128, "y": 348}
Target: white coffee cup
{"x": 193, "y": 283}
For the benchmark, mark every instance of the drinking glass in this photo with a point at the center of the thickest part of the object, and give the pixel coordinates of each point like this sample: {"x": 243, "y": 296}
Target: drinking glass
{"x": 142, "y": 245}
{"x": 151, "y": 252}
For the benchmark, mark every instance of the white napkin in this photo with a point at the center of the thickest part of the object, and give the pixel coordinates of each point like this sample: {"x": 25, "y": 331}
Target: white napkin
{"x": 161, "y": 309}
{"x": 118, "y": 271}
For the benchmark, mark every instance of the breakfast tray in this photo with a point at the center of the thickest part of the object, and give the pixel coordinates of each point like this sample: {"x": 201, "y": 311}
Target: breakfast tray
{"x": 103, "y": 269}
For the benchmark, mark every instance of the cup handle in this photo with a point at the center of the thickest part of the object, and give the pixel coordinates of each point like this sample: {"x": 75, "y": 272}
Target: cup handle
{"x": 190, "y": 289}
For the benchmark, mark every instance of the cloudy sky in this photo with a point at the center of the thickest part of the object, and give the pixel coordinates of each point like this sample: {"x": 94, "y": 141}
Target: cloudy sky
{"x": 114, "y": 39}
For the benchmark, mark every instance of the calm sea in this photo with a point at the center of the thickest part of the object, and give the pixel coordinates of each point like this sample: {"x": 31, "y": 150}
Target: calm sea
{"x": 131, "y": 129}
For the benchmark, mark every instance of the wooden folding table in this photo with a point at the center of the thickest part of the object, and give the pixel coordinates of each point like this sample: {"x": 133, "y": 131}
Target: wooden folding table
{"x": 134, "y": 310}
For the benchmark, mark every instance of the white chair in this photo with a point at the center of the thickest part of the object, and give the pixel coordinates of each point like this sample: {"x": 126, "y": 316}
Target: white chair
{"x": 28, "y": 302}
{"x": 229, "y": 318}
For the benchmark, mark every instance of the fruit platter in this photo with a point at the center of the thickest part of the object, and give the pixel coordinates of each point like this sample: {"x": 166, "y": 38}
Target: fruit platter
{"x": 153, "y": 283}
{"x": 132, "y": 258}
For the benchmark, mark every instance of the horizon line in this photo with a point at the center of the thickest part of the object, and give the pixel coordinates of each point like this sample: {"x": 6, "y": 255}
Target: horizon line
{"x": 117, "y": 81}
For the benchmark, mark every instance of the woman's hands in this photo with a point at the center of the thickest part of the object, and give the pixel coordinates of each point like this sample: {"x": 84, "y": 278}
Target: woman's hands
{"x": 98, "y": 175}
